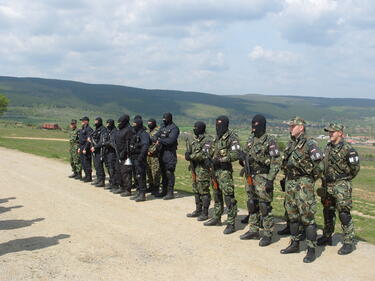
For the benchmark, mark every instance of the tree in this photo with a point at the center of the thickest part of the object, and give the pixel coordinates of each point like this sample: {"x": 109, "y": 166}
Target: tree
{"x": 3, "y": 104}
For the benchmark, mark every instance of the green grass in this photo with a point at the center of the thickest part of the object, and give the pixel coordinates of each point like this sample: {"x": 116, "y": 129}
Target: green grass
{"x": 363, "y": 191}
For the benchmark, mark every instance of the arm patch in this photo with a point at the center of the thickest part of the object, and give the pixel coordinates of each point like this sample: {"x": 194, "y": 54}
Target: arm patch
{"x": 315, "y": 152}
{"x": 273, "y": 149}
{"x": 353, "y": 157}
{"x": 235, "y": 145}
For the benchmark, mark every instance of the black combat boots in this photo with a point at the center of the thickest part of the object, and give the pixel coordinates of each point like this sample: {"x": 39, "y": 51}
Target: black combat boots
{"x": 170, "y": 194}
{"x": 135, "y": 196}
{"x": 141, "y": 197}
{"x": 88, "y": 178}
{"x": 250, "y": 235}
{"x": 245, "y": 220}
{"x": 292, "y": 248}
{"x": 265, "y": 241}
{"x": 310, "y": 256}
{"x": 324, "y": 241}
{"x": 206, "y": 200}
{"x": 346, "y": 249}
{"x": 213, "y": 222}
{"x": 78, "y": 176}
{"x": 100, "y": 183}
{"x": 285, "y": 231}
{"x": 198, "y": 207}
{"x": 229, "y": 229}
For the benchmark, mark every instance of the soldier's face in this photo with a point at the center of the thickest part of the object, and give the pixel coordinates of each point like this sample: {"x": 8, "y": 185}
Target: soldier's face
{"x": 296, "y": 130}
{"x": 335, "y": 136}
{"x": 73, "y": 126}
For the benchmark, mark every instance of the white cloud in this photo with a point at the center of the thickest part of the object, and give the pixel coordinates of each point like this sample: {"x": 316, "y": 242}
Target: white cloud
{"x": 258, "y": 53}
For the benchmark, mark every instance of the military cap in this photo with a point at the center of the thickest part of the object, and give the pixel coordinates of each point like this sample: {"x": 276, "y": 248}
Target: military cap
{"x": 85, "y": 119}
{"x": 74, "y": 121}
{"x": 296, "y": 121}
{"x": 333, "y": 127}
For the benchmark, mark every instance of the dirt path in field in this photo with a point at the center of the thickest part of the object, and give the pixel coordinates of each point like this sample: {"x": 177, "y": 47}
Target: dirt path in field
{"x": 55, "y": 228}
{"x": 32, "y": 138}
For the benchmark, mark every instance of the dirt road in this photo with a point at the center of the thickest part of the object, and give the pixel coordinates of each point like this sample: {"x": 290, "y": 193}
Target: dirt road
{"x": 55, "y": 228}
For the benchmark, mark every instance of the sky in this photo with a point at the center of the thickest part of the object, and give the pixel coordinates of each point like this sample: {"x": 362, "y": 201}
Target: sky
{"x": 279, "y": 47}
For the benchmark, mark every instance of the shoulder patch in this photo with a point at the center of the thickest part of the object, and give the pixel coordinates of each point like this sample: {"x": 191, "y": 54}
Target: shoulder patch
{"x": 273, "y": 148}
{"x": 315, "y": 153}
{"x": 235, "y": 145}
{"x": 353, "y": 156}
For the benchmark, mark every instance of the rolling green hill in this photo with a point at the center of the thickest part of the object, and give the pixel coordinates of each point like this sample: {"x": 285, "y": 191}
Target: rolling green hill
{"x": 36, "y": 100}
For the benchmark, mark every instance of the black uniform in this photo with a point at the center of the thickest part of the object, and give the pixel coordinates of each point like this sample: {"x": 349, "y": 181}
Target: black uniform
{"x": 109, "y": 152}
{"x": 167, "y": 140}
{"x": 139, "y": 148}
{"x": 123, "y": 138}
{"x": 84, "y": 134}
{"x": 97, "y": 143}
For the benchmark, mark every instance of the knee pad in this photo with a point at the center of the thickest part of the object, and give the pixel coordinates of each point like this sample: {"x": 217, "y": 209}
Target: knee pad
{"x": 345, "y": 217}
{"x": 252, "y": 206}
{"x": 311, "y": 232}
{"x": 230, "y": 201}
{"x": 294, "y": 227}
{"x": 265, "y": 208}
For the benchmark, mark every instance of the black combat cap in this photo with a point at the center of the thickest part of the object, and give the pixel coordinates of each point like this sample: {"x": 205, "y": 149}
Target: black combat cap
{"x": 73, "y": 122}
{"x": 85, "y": 119}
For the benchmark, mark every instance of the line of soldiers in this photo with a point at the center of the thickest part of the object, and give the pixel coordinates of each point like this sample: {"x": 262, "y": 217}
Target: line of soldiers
{"x": 130, "y": 152}
{"x": 302, "y": 163}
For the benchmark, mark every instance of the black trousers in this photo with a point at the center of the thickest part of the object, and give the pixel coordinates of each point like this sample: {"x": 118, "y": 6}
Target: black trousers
{"x": 110, "y": 163}
{"x": 99, "y": 167}
{"x": 86, "y": 163}
{"x": 140, "y": 170}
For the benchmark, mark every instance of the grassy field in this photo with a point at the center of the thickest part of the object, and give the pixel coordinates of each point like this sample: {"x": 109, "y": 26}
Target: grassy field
{"x": 363, "y": 192}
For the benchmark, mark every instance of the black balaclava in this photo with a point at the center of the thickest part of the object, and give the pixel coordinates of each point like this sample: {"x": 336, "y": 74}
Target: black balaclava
{"x": 98, "y": 122}
{"x": 167, "y": 118}
{"x": 111, "y": 124}
{"x": 222, "y": 124}
{"x": 123, "y": 121}
{"x": 138, "y": 117}
{"x": 151, "y": 123}
{"x": 258, "y": 125}
{"x": 199, "y": 128}
{"x": 137, "y": 124}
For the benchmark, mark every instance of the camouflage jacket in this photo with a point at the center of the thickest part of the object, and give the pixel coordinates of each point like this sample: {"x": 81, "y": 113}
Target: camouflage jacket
{"x": 152, "y": 149}
{"x": 74, "y": 138}
{"x": 264, "y": 155}
{"x": 226, "y": 149}
{"x": 341, "y": 162}
{"x": 199, "y": 147}
{"x": 302, "y": 157}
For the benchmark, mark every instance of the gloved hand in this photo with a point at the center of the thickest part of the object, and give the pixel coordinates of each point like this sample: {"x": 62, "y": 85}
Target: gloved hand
{"x": 282, "y": 184}
{"x": 241, "y": 156}
{"x": 269, "y": 186}
{"x": 242, "y": 163}
{"x": 187, "y": 156}
{"x": 216, "y": 161}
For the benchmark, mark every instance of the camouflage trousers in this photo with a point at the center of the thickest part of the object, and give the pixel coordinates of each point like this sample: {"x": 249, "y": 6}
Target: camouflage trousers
{"x": 300, "y": 204}
{"x": 258, "y": 195}
{"x": 75, "y": 160}
{"x": 202, "y": 184}
{"x": 153, "y": 172}
{"x": 338, "y": 196}
{"x": 225, "y": 192}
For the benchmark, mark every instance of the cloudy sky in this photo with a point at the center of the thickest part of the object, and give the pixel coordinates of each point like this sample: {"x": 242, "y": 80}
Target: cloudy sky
{"x": 296, "y": 47}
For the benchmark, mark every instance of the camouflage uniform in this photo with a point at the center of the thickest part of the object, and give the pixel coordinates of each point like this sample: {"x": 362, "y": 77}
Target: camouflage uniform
{"x": 75, "y": 160}
{"x": 302, "y": 166}
{"x": 264, "y": 162}
{"x": 226, "y": 150}
{"x": 341, "y": 165}
{"x": 153, "y": 165}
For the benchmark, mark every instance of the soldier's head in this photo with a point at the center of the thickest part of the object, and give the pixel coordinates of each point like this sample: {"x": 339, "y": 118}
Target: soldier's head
{"x": 110, "y": 124}
{"x": 222, "y": 125}
{"x": 296, "y": 126}
{"x": 137, "y": 123}
{"x": 199, "y": 128}
{"x": 85, "y": 120}
{"x": 73, "y": 124}
{"x": 335, "y": 131}
{"x": 258, "y": 125}
{"x": 167, "y": 118}
{"x": 123, "y": 121}
{"x": 98, "y": 122}
{"x": 151, "y": 123}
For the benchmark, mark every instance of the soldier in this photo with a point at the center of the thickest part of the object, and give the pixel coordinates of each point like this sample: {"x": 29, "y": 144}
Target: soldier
{"x": 166, "y": 140}
{"x": 139, "y": 147}
{"x": 261, "y": 155}
{"x": 224, "y": 151}
{"x": 75, "y": 161}
{"x": 341, "y": 165}
{"x": 153, "y": 166}
{"x": 96, "y": 141}
{"x": 196, "y": 153}
{"x": 109, "y": 152}
{"x": 123, "y": 138}
{"x": 302, "y": 165}
{"x": 84, "y": 148}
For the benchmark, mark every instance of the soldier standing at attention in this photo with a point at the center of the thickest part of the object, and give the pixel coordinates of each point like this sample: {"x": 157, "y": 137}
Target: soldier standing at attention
{"x": 196, "y": 153}
{"x": 224, "y": 151}
{"x": 96, "y": 140}
{"x": 109, "y": 152}
{"x": 262, "y": 154}
{"x": 302, "y": 165}
{"x": 153, "y": 166}
{"x": 75, "y": 161}
{"x": 341, "y": 165}
{"x": 84, "y": 148}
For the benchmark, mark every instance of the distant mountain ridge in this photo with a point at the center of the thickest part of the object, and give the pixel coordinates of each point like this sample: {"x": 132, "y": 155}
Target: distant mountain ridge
{"x": 37, "y": 99}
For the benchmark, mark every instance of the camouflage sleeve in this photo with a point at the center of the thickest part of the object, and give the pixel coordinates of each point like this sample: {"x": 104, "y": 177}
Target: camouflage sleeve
{"x": 274, "y": 153}
{"x": 353, "y": 162}
{"x": 316, "y": 157}
{"x": 199, "y": 153}
{"x": 233, "y": 149}
{"x": 285, "y": 156}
